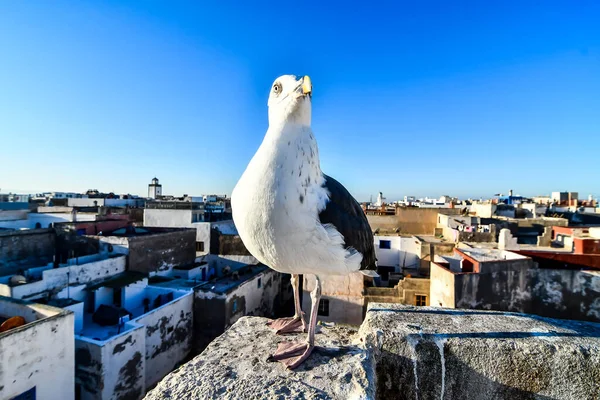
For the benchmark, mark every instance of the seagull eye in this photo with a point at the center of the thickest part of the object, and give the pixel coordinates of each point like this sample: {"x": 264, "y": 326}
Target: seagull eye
{"x": 277, "y": 88}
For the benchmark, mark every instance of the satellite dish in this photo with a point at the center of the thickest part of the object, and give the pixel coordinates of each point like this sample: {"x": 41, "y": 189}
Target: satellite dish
{"x": 12, "y": 323}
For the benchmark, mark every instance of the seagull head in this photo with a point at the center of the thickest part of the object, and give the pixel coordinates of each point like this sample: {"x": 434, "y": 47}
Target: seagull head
{"x": 289, "y": 100}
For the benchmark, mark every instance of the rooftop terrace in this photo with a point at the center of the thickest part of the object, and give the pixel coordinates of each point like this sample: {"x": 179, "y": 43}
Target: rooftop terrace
{"x": 236, "y": 278}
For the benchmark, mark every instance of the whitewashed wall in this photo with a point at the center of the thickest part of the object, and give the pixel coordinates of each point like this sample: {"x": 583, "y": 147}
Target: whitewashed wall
{"x": 56, "y": 279}
{"x": 112, "y": 369}
{"x": 404, "y": 251}
{"x": 169, "y": 331}
{"x": 40, "y": 355}
{"x": 345, "y": 295}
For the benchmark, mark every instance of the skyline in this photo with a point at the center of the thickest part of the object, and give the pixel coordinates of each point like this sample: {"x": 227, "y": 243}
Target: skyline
{"x": 409, "y": 99}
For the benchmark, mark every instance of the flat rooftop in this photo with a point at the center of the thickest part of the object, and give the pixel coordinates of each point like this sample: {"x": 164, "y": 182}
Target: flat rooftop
{"x": 487, "y": 254}
{"x": 118, "y": 281}
{"x": 227, "y": 283}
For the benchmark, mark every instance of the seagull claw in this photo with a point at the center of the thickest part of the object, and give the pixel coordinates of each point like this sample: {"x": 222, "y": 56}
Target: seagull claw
{"x": 292, "y": 354}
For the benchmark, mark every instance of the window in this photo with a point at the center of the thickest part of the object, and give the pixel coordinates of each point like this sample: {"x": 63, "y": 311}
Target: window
{"x": 259, "y": 283}
{"x": 199, "y": 246}
{"x": 38, "y": 225}
{"x": 234, "y": 306}
{"x": 385, "y": 244}
{"x": 421, "y": 300}
{"x": 324, "y": 307}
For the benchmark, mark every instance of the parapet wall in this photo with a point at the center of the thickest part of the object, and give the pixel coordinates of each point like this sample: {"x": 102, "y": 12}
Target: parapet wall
{"x": 403, "y": 352}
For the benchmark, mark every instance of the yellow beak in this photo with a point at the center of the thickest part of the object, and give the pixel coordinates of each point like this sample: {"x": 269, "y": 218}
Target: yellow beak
{"x": 306, "y": 85}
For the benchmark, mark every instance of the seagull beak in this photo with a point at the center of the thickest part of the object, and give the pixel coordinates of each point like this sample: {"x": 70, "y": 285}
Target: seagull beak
{"x": 306, "y": 85}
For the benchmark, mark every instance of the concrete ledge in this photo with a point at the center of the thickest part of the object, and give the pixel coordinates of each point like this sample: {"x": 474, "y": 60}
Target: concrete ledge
{"x": 433, "y": 353}
{"x": 234, "y": 366}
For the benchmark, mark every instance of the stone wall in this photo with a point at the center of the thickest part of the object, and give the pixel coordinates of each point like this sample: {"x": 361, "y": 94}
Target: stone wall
{"x": 402, "y": 352}
{"x": 27, "y": 248}
{"x": 433, "y": 353}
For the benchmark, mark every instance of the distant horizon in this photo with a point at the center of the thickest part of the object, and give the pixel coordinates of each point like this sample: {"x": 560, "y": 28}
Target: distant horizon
{"x": 582, "y": 195}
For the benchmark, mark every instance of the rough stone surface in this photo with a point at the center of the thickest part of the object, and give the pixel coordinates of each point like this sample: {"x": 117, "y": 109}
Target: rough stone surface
{"x": 434, "y": 353}
{"x": 235, "y": 366}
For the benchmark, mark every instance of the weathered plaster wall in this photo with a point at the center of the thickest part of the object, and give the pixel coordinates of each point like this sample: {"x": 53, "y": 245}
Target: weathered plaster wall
{"x": 213, "y": 313}
{"x": 210, "y": 319}
{"x": 40, "y": 355}
{"x": 162, "y": 251}
{"x": 404, "y": 292}
{"x": 218, "y": 262}
{"x": 112, "y": 369}
{"x": 442, "y": 287}
{"x": 227, "y": 244}
{"x": 345, "y": 295}
{"x": 56, "y": 279}
{"x": 568, "y": 294}
{"x": 252, "y": 299}
{"x": 169, "y": 334}
{"x": 22, "y": 249}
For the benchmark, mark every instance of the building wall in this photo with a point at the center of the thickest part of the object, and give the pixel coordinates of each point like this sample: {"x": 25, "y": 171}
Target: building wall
{"x": 39, "y": 355}
{"x": 56, "y": 279}
{"x": 209, "y": 318}
{"x": 404, "y": 252}
{"x": 416, "y": 221}
{"x": 252, "y": 299}
{"x": 404, "y": 292}
{"x": 442, "y": 287}
{"x": 169, "y": 334}
{"x": 122, "y": 366}
{"x": 179, "y": 219}
{"x": 159, "y": 252}
{"x": 568, "y": 294}
{"x": 216, "y": 263}
{"x": 20, "y": 249}
{"x": 345, "y": 295}
{"x": 167, "y": 218}
{"x": 216, "y": 312}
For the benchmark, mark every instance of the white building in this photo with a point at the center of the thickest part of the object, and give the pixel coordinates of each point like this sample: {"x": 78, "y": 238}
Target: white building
{"x": 177, "y": 214}
{"x": 397, "y": 253}
{"x": 131, "y": 350}
{"x": 28, "y": 220}
{"x": 122, "y": 325}
{"x": 243, "y": 290}
{"x": 37, "y": 358}
{"x": 154, "y": 189}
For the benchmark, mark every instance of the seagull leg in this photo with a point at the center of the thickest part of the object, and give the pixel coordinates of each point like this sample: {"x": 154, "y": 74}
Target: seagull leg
{"x": 292, "y": 354}
{"x": 295, "y": 323}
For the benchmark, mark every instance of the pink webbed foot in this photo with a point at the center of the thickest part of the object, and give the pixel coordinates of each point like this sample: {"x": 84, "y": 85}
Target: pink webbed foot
{"x": 292, "y": 354}
{"x": 288, "y": 325}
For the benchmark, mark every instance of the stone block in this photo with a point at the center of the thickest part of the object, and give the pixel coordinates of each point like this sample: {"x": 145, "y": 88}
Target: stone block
{"x": 235, "y": 366}
{"x": 434, "y": 353}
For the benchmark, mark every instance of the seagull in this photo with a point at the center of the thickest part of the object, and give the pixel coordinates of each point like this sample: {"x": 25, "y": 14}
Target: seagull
{"x": 294, "y": 218}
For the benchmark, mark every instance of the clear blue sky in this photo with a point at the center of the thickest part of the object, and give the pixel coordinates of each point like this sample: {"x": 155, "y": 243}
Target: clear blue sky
{"x": 410, "y": 98}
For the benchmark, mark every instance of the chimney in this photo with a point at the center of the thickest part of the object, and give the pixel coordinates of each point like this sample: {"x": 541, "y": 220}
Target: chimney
{"x": 510, "y": 192}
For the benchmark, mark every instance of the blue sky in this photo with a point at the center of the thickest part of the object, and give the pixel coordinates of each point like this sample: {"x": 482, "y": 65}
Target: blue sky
{"x": 410, "y": 98}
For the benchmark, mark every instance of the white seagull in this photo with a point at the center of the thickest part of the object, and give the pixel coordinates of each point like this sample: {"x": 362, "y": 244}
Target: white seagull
{"x": 292, "y": 217}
